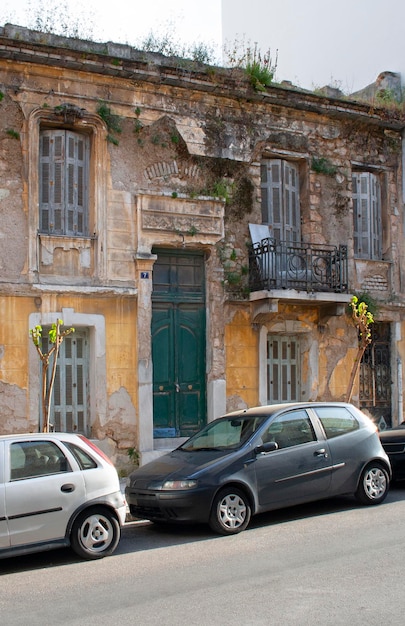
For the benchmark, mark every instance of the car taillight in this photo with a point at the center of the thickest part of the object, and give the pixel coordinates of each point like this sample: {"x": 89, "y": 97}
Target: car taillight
{"x": 96, "y": 449}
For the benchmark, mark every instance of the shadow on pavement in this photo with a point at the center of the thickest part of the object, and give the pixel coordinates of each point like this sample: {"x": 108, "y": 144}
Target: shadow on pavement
{"x": 140, "y": 535}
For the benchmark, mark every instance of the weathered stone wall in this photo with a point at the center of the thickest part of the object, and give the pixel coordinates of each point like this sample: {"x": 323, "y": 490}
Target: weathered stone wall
{"x": 176, "y": 152}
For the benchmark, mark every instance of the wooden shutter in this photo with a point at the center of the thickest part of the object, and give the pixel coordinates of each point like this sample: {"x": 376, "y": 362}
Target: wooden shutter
{"x": 366, "y": 215}
{"x": 376, "y": 226}
{"x": 292, "y": 218}
{"x": 70, "y": 399}
{"x": 76, "y": 187}
{"x": 280, "y": 199}
{"x": 51, "y": 191}
{"x": 283, "y": 365}
{"x": 63, "y": 182}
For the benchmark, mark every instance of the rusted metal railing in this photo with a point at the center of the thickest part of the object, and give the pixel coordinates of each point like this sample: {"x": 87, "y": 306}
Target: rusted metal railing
{"x": 301, "y": 266}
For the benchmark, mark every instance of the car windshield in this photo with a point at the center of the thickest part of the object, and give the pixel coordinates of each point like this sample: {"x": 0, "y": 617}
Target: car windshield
{"x": 227, "y": 433}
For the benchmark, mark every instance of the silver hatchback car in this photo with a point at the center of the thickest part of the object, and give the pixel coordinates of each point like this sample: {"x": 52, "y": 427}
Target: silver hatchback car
{"x": 57, "y": 490}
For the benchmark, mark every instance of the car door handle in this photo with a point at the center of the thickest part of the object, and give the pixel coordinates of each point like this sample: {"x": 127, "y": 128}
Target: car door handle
{"x": 68, "y": 488}
{"x": 321, "y": 452}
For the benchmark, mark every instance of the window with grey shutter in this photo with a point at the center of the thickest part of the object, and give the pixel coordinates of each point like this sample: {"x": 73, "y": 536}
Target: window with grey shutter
{"x": 283, "y": 369}
{"x": 280, "y": 199}
{"x": 70, "y": 400}
{"x": 63, "y": 184}
{"x": 367, "y": 226}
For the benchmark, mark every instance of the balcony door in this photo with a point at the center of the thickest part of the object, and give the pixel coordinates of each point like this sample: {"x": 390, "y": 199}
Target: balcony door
{"x": 280, "y": 199}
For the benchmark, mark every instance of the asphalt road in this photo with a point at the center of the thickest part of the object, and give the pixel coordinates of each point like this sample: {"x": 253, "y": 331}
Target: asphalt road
{"x": 330, "y": 563}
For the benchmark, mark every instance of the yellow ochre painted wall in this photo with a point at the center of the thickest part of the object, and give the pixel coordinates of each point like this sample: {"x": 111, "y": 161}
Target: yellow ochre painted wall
{"x": 121, "y": 340}
{"x": 242, "y": 366}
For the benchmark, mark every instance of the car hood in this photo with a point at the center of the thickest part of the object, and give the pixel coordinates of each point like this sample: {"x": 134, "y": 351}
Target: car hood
{"x": 180, "y": 464}
{"x": 392, "y": 434}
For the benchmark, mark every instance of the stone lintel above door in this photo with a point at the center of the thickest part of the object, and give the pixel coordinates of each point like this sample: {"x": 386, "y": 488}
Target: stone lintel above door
{"x": 165, "y": 219}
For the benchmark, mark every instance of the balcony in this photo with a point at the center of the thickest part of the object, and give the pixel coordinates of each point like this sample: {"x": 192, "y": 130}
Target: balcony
{"x": 275, "y": 265}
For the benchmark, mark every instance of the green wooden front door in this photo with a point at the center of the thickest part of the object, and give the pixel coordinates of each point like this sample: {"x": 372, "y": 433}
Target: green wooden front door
{"x": 178, "y": 345}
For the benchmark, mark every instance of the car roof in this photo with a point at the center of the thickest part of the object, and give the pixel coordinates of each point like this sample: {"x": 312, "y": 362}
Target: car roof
{"x": 271, "y": 409}
{"x": 40, "y": 436}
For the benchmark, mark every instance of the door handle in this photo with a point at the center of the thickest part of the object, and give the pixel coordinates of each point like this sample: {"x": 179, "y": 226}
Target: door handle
{"x": 177, "y": 387}
{"x": 321, "y": 452}
{"x": 67, "y": 488}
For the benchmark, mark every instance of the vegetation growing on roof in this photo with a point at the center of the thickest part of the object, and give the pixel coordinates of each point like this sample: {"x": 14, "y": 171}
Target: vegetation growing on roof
{"x": 259, "y": 67}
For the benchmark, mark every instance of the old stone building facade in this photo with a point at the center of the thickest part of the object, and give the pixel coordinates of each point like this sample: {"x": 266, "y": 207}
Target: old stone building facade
{"x": 203, "y": 239}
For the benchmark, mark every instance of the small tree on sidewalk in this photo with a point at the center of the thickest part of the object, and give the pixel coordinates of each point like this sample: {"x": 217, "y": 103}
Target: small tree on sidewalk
{"x": 56, "y": 337}
{"x": 363, "y": 320}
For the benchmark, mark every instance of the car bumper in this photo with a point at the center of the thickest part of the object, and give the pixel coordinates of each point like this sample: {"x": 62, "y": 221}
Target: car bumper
{"x": 398, "y": 466}
{"x": 115, "y": 501}
{"x": 179, "y": 506}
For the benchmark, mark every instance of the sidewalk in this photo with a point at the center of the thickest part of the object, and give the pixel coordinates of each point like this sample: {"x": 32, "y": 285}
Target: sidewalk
{"x": 123, "y": 481}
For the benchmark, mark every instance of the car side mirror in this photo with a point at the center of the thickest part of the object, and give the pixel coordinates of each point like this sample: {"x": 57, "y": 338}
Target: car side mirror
{"x": 269, "y": 446}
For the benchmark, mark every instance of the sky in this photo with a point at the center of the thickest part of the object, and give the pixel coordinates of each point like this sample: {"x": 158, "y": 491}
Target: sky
{"x": 344, "y": 43}
{"x": 129, "y": 21}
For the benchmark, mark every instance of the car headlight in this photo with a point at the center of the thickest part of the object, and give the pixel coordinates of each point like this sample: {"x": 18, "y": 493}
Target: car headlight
{"x": 179, "y": 484}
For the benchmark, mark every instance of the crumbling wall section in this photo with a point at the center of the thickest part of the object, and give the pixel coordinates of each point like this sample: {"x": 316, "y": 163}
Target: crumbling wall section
{"x": 13, "y": 219}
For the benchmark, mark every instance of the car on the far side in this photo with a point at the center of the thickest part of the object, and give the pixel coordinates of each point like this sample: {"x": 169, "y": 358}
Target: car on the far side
{"x": 393, "y": 442}
{"x": 57, "y": 490}
{"x": 260, "y": 459}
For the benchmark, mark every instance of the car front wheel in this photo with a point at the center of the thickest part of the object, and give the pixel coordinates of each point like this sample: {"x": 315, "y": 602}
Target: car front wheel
{"x": 95, "y": 533}
{"x": 373, "y": 485}
{"x": 230, "y": 513}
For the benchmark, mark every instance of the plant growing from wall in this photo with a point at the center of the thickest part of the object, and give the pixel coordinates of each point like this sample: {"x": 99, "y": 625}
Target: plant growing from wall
{"x": 14, "y": 134}
{"x": 363, "y": 320}
{"x": 56, "y": 337}
{"x": 112, "y": 121}
{"x": 133, "y": 455}
{"x": 221, "y": 189}
{"x": 321, "y": 165}
{"x": 236, "y": 273}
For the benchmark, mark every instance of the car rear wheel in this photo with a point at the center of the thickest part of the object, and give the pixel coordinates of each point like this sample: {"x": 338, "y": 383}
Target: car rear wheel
{"x": 95, "y": 533}
{"x": 230, "y": 513}
{"x": 373, "y": 484}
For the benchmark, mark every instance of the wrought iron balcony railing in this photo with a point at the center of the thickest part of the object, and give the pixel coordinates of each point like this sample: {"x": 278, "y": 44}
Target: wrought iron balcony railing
{"x": 301, "y": 266}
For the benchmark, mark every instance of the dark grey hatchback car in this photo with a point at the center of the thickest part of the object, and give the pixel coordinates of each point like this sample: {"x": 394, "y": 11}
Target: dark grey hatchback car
{"x": 261, "y": 459}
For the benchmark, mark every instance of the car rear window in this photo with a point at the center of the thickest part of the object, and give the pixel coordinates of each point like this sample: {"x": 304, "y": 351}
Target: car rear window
{"x": 84, "y": 460}
{"x": 336, "y": 420}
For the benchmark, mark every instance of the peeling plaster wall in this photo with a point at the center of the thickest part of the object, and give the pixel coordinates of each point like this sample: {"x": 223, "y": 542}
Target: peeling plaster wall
{"x": 13, "y": 220}
{"x": 187, "y": 136}
{"x": 242, "y": 372}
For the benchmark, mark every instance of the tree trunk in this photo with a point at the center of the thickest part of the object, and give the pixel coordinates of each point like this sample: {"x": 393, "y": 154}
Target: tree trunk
{"x": 355, "y": 369}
